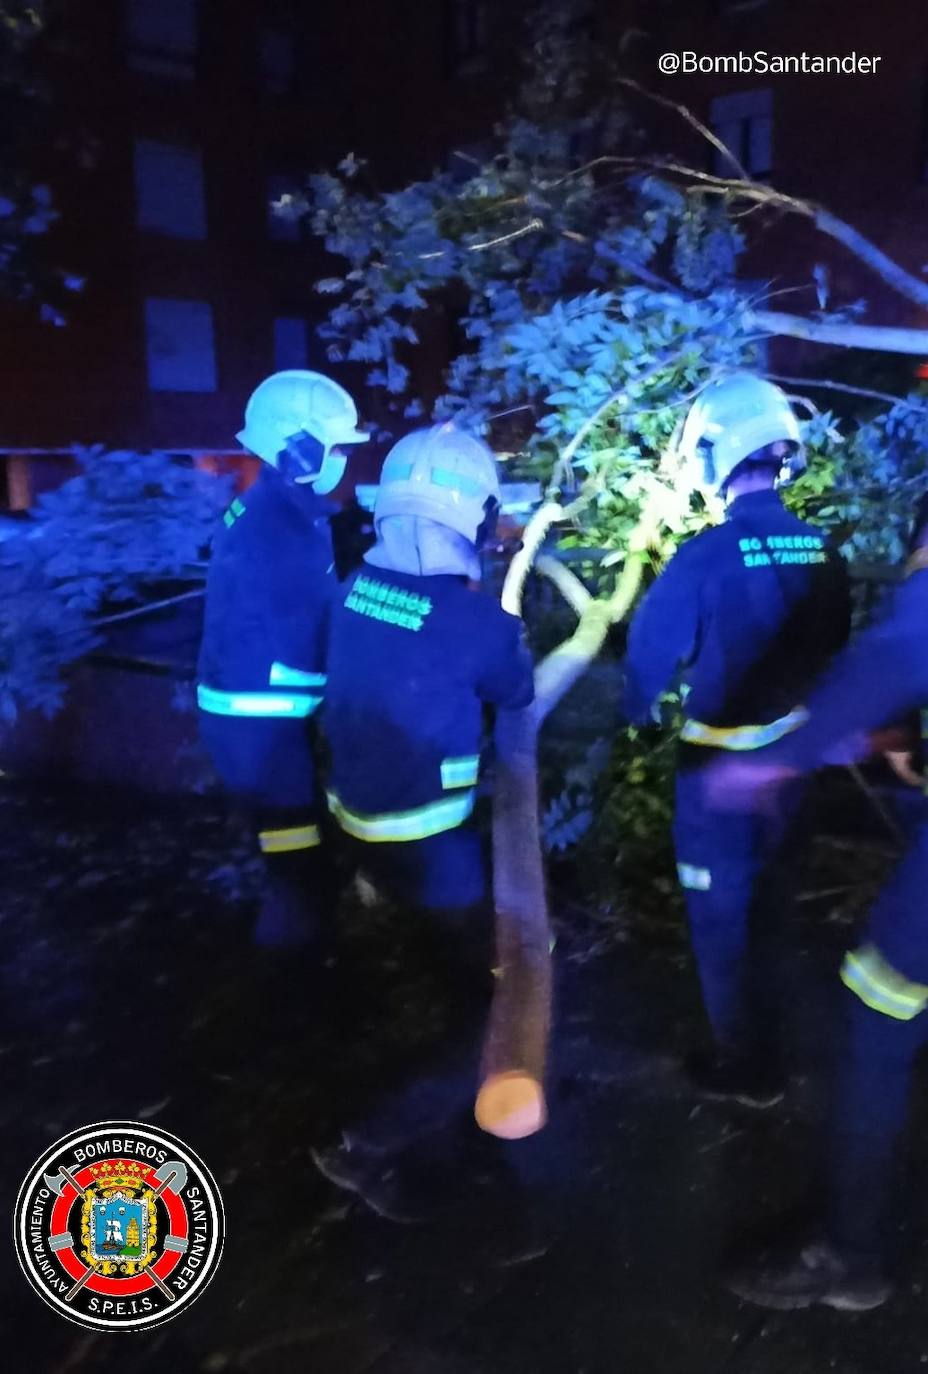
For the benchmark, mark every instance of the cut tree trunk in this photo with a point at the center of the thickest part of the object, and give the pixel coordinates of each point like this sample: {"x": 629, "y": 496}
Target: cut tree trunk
{"x": 511, "y": 1100}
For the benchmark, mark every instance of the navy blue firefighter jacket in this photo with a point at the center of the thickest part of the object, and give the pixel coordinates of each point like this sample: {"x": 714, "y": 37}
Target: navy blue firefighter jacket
{"x": 749, "y": 612}
{"x": 267, "y": 597}
{"x": 412, "y": 662}
{"x": 879, "y": 677}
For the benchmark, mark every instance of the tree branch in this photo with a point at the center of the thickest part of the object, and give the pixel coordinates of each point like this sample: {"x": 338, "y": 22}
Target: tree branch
{"x": 702, "y": 129}
{"x": 743, "y": 187}
{"x": 590, "y": 423}
{"x": 567, "y": 583}
{"x": 534, "y": 535}
{"x": 895, "y": 276}
{"x": 825, "y": 385}
{"x": 530, "y": 228}
{"x": 904, "y": 283}
{"x": 149, "y": 608}
{"x": 880, "y": 338}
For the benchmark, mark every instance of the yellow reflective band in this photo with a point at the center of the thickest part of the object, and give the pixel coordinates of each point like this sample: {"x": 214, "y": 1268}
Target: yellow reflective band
{"x": 881, "y": 987}
{"x": 255, "y": 703}
{"x": 282, "y": 676}
{"x": 286, "y": 841}
{"x": 403, "y": 826}
{"x": 694, "y": 879}
{"x": 460, "y": 772}
{"x": 741, "y": 737}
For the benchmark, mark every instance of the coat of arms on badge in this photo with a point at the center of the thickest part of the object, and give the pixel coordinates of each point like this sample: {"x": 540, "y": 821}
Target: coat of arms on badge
{"x": 118, "y": 1220}
{"x": 119, "y": 1226}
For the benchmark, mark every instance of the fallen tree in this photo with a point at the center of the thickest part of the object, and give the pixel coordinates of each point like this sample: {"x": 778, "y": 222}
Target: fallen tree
{"x": 596, "y": 290}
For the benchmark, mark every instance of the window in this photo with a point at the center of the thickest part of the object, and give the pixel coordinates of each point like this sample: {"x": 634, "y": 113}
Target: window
{"x": 169, "y": 194}
{"x": 291, "y": 342}
{"x": 162, "y": 36}
{"x": 744, "y": 123}
{"x": 277, "y": 61}
{"x": 282, "y": 226}
{"x": 180, "y": 345}
{"x": 467, "y": 24}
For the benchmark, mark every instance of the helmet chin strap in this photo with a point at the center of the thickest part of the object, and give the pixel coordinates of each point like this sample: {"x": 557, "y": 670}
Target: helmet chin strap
{"x": 305, "y": 461}
{"x": 330, "y": 474}
{"x": 487, "y": 531}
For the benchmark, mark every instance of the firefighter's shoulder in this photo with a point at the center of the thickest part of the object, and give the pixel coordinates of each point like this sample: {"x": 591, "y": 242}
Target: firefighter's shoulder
{"x": 702, "y": 549}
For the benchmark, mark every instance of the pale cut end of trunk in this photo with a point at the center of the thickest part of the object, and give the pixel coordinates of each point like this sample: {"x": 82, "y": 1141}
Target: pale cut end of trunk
{"x": 511, "y": 1106}
{"x": 511, "y": 1101}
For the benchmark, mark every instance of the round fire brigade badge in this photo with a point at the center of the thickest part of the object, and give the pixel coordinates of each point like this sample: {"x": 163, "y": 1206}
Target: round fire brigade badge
{"x": 119, "y": 1226}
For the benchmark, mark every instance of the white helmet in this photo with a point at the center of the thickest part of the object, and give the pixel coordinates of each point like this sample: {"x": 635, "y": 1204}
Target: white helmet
{"x": 290, "y": 410}
{"x": 444, "y": 475}
{"x": 731, "y": 420}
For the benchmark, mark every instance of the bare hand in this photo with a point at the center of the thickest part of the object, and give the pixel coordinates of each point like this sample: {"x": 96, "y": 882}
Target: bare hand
{"x": 900, "y": 761}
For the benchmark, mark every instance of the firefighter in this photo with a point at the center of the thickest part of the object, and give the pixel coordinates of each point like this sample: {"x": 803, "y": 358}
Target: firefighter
{"x": 748, "y": 612}
{"x": 845, "y": 1263}
{"x": 906, "y": 757}
{"x": 261, "y": 669}
{"x": 416, "y": 653}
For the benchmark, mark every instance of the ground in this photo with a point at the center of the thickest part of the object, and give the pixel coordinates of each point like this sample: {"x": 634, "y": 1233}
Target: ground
{"x": 638, "y": 1187}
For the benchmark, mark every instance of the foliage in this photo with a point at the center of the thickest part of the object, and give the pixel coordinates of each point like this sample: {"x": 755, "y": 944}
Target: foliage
{"x": 27, "y": 210}
{"x": 574, "y": 280}
{"x": 591, "y": 298}
{"x": 612, "y": 815}
{"x": 40, "y": 632}
{"x": 629, "y": 846}
{"x": 865, "y": 485}
{"x": 126, "y": 522}
{"x": 568, "y": 816}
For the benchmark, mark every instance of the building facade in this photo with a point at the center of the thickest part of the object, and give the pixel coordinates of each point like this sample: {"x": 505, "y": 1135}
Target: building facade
{"x": 179, "y": 123}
